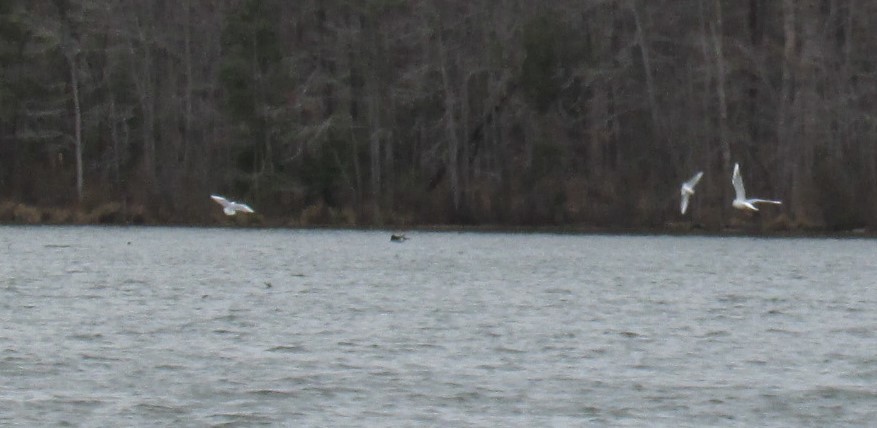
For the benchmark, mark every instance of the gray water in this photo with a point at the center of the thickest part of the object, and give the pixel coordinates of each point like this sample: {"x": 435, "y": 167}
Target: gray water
{"x": 206, "y": 327}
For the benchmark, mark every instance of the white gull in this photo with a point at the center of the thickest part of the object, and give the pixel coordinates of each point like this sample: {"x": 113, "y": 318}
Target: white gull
{"x": 688, "y": 190}
{"x": 230, "y": 207}
{"x": 740, "y": 202}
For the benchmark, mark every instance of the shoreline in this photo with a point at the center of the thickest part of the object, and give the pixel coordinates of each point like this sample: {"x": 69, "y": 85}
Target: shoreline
{"x": 498, "y": 229}
{"x": 116, "y": 215}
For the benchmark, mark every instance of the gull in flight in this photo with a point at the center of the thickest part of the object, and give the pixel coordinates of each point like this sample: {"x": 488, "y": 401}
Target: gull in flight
{"x": 688, "y": 190}
{"x": 229, "y": 207}
{"x": 740, "y": 201}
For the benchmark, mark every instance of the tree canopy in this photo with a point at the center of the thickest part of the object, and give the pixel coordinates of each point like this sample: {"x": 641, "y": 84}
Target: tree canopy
{"x": 387, "y": 112}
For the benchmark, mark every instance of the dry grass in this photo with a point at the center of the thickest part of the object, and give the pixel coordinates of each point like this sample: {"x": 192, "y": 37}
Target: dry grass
{"x": 344, "y": 217}
{"x": 108, "y": 213}
{"x": 315, "y": 214}
{"x": 58, "y": 216}
{"x": 6, "y": 209}
{"x": 26, "y": 214}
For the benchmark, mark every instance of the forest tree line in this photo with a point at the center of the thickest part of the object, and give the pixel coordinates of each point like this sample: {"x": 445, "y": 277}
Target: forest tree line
{"x": 403, "y": 112}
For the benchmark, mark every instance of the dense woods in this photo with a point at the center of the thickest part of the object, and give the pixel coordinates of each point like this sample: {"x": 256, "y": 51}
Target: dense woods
{"x": 395, "y": 112}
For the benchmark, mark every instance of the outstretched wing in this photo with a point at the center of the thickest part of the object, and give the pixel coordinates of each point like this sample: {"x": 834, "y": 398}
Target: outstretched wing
{"x": 737, "y": 181}
{"x": 241, "y": 207}
{"x": 693, "y": 181}
{"x": 221, "y": 201}
{"x": 764, "y": 201}
{"x": 684, "y": 202}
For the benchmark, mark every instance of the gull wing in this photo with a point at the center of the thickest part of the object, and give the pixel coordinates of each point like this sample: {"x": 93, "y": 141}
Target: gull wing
{"x": 764, "y": 201}
{"x": 242, "y": 207}
{"x": 221, "y": 201}
{"x": 688, "y": 190}
{"x": 693, "y": 181}
{"x": 737, "y": 181}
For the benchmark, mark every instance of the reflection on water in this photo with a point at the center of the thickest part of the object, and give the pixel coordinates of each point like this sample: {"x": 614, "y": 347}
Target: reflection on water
{"x": 171, "y": 326}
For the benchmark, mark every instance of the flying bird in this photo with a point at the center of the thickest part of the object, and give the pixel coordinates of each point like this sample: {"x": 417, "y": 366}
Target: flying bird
{"x": 740, "y": 202}
{"x": 230, "y": 207}
{"x": 688, "y": 190}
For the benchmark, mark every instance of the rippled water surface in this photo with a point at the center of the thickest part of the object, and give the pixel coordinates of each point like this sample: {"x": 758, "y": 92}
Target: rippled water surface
{"x": 181, "y": 327}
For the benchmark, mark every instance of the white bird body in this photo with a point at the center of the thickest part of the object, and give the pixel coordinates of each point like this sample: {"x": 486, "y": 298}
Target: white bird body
{"x": 688, "y": 190}
{"x": 740, "y": 202}
{"x": 230, "y": 207}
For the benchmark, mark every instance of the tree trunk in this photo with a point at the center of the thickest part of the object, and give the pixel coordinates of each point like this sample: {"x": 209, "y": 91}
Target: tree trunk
{"x": 811, "y": 124}
{"x": 647, "y": 68}
{"x": 724, "y": 134}
{"x": 187, "y": 58}
{"x": 450, "y": 128}
{"x": 786, "y": 95}
{"x": 77, "y": 122}
{"x": 142, "y": 75}
{"x": 374, "y": 144}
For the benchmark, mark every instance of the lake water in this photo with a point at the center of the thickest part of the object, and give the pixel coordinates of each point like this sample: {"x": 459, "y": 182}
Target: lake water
{"x": 206, "y": 327}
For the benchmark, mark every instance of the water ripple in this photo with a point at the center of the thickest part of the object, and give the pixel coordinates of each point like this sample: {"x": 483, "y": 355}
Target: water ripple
{"x": 342, "y": 328}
